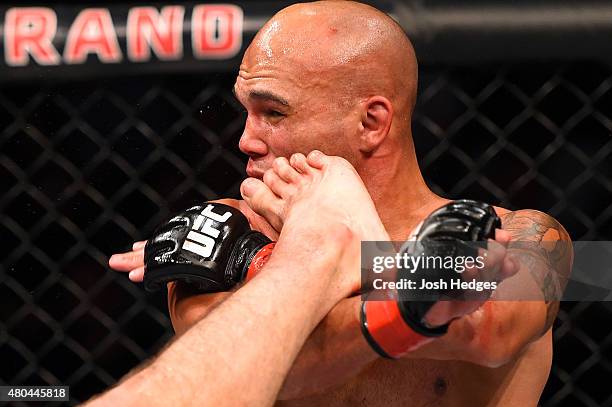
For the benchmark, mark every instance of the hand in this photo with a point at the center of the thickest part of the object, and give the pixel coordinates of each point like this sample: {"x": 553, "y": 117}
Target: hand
{"x": 131, "y": 262}
{"x": 497, "y": 262}
{"x": 211, "y": 246}
{"x": 395, "y": 327}
{"x": 327, "y": 186}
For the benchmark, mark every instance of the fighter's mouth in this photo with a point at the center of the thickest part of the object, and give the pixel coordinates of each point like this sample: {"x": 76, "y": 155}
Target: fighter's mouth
{"x": 252, "y": 172}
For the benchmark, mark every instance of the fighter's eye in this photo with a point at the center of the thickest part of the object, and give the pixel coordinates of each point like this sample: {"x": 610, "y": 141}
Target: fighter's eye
{"x": 274, "y": 113}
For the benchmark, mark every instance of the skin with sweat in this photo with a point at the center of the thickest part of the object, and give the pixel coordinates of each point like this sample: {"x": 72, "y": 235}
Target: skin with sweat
{"x": 341, "y": 77}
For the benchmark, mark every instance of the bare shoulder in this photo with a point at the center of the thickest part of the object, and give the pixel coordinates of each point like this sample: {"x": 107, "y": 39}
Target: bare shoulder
{"x": 544, "y": 249}
{"x": 532, "y": 225}
{"x": 501, "y": 212}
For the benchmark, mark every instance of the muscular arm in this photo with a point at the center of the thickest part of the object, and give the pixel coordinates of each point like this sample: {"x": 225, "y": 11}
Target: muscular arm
{"x": 185, "y": 305}
{"x": 498, "y": 331}
{"x": 187, "y": 371}
{"x": 548, "y": 259}
{"x": 490, "y": 336}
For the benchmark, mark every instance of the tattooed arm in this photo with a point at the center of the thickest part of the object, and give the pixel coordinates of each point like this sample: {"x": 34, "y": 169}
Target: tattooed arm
{"x": 544, "y": 249}
{"x": 501, "y": 329}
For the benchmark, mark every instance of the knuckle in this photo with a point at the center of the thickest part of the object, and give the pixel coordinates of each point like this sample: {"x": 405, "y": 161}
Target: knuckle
{"x": 137, "y": 257}
{"x": 283, "y": 167}
{"x": 277, "y": 163}
{"x": 268, "y": 177}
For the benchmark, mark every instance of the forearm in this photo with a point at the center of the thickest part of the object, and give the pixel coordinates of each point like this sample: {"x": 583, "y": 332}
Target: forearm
{"x": 188, "y": 372}
{"x": 498, "y": 330}
{"x": 491, "y": 336}
{"x": 336, "y": 351}
{"x": 332, "y": 354}
{"x": 187, "y": 306}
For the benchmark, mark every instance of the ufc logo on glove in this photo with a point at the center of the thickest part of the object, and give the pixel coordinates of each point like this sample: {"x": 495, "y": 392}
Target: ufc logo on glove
{"x": 210, "y": 247}
{"x": 209, "y": 233}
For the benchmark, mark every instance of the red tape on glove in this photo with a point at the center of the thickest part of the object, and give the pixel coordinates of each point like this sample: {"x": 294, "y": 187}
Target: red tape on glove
{"x": 387, "y": 327}
{"x": 259, "y": 260}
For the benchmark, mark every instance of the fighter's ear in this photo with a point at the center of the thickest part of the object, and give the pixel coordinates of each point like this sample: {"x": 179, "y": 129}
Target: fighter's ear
{"x": 376, "y": 117}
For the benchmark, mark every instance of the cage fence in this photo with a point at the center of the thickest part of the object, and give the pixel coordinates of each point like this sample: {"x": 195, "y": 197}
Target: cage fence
{"x": 89, "y": 166}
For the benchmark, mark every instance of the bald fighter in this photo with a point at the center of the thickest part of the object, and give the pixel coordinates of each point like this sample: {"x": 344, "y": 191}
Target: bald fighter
{"x": 341, "y": 77}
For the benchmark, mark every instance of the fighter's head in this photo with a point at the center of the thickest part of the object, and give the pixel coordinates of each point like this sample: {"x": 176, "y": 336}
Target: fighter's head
{"x": 335, "y": 76}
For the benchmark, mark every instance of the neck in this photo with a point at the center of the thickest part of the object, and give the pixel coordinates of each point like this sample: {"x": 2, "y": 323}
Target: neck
{"x": 398, "y": 190}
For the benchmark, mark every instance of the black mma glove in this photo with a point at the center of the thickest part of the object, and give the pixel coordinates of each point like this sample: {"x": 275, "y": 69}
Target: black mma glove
{"x": 394, "y": 328}
{"x": 211, "y": 247}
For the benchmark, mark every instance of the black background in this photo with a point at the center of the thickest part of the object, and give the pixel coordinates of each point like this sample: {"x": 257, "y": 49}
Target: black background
{"x": 87, "y": 166}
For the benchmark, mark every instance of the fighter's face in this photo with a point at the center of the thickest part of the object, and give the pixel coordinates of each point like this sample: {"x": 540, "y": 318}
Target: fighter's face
{"x": 289, "y": 111}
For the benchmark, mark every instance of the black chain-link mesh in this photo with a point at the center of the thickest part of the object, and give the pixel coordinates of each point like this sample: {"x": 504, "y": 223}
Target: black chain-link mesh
{"x": 89, "y": 167}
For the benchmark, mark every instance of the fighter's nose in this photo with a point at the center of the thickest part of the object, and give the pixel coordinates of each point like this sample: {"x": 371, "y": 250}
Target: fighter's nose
{"x": 252, "y": 145}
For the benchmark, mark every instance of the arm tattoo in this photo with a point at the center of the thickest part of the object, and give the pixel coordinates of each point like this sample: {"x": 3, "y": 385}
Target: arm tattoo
{"x": 546, "y": 253}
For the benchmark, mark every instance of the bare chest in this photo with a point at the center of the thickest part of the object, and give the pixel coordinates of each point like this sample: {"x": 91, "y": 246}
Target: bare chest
{"x": 392, "y": 383}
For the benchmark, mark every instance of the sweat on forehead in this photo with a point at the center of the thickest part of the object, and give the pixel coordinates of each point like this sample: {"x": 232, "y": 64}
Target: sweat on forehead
{"x": 348, "y": 47}
{"x": 326, "y": 34}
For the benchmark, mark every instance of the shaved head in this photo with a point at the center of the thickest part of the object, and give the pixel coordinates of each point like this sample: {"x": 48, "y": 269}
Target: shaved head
{"x": 360, "y": 49}
{"x": 338, "y": 76}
